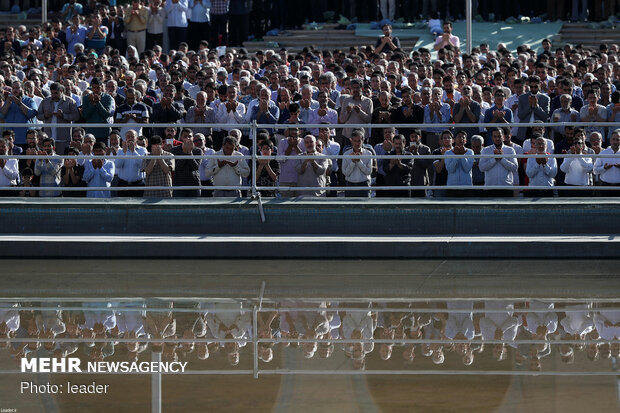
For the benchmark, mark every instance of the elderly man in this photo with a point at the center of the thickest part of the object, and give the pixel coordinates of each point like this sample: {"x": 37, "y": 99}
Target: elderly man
{"x": 565, "y": 113}
{"x": 541, "y": 171}
{"x": 58, "y": 108}
{"x": 18, "y": 108}
{"x": 498, "y": 171}
{"x": 311, "y": 172}
{"x": 48, "y": 169}
{"x": 608, "y": 169}
{"x": 226, "y": 171}
{"x": 9, "y": 171}
{"x": 129, "y": 171}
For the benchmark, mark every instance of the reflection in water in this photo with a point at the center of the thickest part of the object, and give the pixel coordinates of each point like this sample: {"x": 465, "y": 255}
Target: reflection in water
{"x": 527, "y": 332}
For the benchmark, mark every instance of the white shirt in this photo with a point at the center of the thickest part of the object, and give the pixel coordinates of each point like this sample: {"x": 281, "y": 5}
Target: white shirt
{"x": 9, "y": 174}
{"x": 155, "y": 22}
{"x": 356, "y": 172}
{"x": 577, "y": 171}
{"x": 222, "y": 115}
{"x": 611, "y": 175}
{"x": 177, "y": 13}
{"x": 498, "y": 171}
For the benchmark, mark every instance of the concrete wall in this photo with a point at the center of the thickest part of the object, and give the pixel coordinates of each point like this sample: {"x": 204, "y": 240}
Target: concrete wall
{"x": 318, "y": 217}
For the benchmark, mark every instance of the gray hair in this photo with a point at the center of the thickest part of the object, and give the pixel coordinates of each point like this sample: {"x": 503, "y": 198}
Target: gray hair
{"x": 477, "y": 138}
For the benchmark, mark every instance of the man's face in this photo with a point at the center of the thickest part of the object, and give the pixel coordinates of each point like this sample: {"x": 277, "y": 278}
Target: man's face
{"x": 446, "y": 141}
{"x": 17, "y": 89}
{"x": 534, "y": 87}
{"x": 387, "y": 31}
{"x": 114, "y": 140}
{"x": 541, "y": 146}
{"x": 3, "y": 148}
{"x": 199, "y": 141}
{"x": 500, "y": 98}
{"x": 48, "y": 147}
{"x": 459, "y": 140}
{"x": 615, "y": 141}
{"x": 55, "y": 93}
{"x": 447, "y": 28}
{"x": 356, "y": 90}
{"x": 476, "y": 146}
{"x": 171, "y": 133}
{"x": 227, "y": 149}
{"x": 592, "y": 99}
{"x": 264, "y": 95}
{"x": 323, "y": 99}
{"x": 310, "y": 144}
{"x": 497, "y": 138}
{"x": 131, "y": 97}
{"x": 96, "y": 89}
{"x": 356, "y": 142}
{"x": 398, "y": 145}
{"x": 99, "y": 152}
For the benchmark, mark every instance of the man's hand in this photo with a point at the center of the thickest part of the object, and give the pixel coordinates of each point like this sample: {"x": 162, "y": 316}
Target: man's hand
{"x": 532, "y": 100}
{"x": 2, "y": 163}
{"x": 349, "y": 108}
{"x": 608, "y": 166}
{"x": 322, "y": 112}
{"x": 60, "y": 114}
{"x": 94, "y": 98}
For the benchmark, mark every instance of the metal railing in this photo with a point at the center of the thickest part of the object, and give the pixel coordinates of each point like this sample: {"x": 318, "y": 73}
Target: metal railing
{"x": 254, "y": 157}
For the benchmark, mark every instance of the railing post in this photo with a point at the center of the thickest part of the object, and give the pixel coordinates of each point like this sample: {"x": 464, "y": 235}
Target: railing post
{"x": 253, "y": 152}
{"x": 255, "y": 340}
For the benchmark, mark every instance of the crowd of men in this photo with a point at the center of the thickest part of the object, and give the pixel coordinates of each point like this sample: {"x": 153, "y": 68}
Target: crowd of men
{"x": 51, "y": 80}
{"x": 568, "y": 329}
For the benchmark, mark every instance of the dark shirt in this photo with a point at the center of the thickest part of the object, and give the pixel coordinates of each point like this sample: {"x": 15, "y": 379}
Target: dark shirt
{"x": 186, "y": 171}
{"x": 387, "y": 45}
{"x": 398, "y": 176}
{"x": 79, "y": 171}
{"x": 441, "y": 178}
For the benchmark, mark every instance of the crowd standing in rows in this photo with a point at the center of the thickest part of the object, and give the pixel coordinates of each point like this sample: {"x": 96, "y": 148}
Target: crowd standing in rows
{"x": 78, "y": 74}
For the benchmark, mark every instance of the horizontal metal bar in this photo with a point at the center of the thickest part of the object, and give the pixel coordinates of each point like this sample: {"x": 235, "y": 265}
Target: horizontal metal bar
{"x": 315, "y": 310}
{"x": 292, "y": 340}
{"x": 298, "y": 157}
{"x": 323, "y": 372}
{"x": 306, "y": 188}
{"x": 229, "y": 126}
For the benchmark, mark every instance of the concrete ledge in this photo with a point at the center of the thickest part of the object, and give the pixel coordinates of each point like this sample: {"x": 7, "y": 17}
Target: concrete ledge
{"x": 305, "y": 246}
{"x": 311, "y": 216}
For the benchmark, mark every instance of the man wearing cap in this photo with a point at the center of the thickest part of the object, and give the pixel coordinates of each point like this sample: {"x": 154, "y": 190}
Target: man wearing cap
{"x": 135, "y": 22}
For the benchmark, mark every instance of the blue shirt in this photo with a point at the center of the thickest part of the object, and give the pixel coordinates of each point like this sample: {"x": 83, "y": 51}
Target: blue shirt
{"x": 498, "y": 171}
{"x": 459, "y": 169}
{"x": 98, "y": 178}
{"x": 541, "y": 174}
{"x": 15, "y": 115}
{"x": 488, "y": 118}
{"x": 177, "y": 13}
{"x": 444, "y": 117}
{"x": 78, "y": 9}
{"x": 130, "y": 170}
{"x": 200, "y": 10}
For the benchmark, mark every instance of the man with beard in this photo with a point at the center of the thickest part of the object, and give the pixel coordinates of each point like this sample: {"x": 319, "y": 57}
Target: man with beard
{"x": 48, "y": 169}
{"x": 58, "y": 108}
